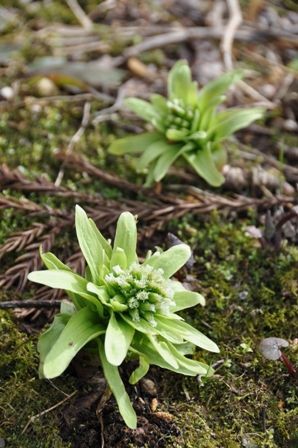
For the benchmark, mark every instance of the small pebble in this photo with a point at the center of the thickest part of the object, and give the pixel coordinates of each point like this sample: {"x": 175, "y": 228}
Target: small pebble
{"x": 148, "y": 387}
{"x": 46, "y": 87}
{"x": 154, "y": 404}
{"x": 7, "y": 92}
{"x": 166, "y": 416}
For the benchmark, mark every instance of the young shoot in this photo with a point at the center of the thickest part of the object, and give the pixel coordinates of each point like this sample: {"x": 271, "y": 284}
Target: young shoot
{"x": 187, "y": 124}
{"x": 125, "y": 308}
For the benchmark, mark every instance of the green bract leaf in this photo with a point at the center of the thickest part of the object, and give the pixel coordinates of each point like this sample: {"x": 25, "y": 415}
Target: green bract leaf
{"x": 134, "y": 144}
{"x": 89, "y": 243}
{"x": 142, "y": 325}
{"x": 60, "y": 279}
{"x": 52, "y": 262}
{"x": 65, "y": 280}
{"x": 159, "y": 103}
{"x": 140, "y": 371}
{"x": 171, "y": 260}
{"x": 49, "y": 338}
{"x": 163, "y": 349}
{"x": 177, "y": 134}
{"x": 153, "y": 151}
{"x": 142, "y": 108}
{"x": 165, "y": 161}
{"x": 101, "y": 239}
{"x": 117, "y": 387}
{"x": 126, "y": 236}
{"x": 117, "y": 340}
{"x": 191, "y": 334}
{"x": 186, "y": 299}
{"x": 214, "y": 90}
{"x": 204, "y": 165}
{"x": 119, "y": 258}
{"x": 180, "y": 85}
{"x": 232, "y": 120}
{"x": 81, "y": 328}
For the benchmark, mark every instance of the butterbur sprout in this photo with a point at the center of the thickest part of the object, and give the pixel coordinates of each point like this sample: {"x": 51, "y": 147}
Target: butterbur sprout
{"x": 187, "y": 125}
{"x": 128, "y": 309}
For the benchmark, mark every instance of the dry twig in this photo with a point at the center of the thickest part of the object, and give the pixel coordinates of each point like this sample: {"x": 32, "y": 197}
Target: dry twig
{"x": 46, "y": 411}
{"x": 74, "y": 140}
{"x": 80, "y": 14}
{"x": 234, "y": 22}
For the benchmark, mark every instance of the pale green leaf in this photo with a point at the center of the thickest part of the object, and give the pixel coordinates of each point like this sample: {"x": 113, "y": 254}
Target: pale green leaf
{"x": 187, "y": 299}
{"x": 89, "y": 243}
{"x": 49, "y": 338}
{"x": 140, "y": 371}
{"x": 52, "y": 262}
{"x": 219, "y": 155}
{"x": 117, "y": 305}
{"x": 190, "y": 334}
{"x": 144, "y": 348}
{"x": 214, "y": 90}
{"x": 232, "y": 120}
{"x": 180, "y": 85}
{"x": 103, "y": 242}
{"x": 126, "y": 236}
{"x": 168, "y": 333}
{"x": 65, "y": 280}
{"x": 176, "y": 135}
{"x": 134, "y": 144}
{"x": 165, "y": 161}
{"x": 142, "y": 325}
{"x": 67, "y": 307}
{"x": 151, "y": 153}
{"x": 142, "y": 108}
{"x": 118, "y": 258}
{"x": 60, "y": 279}
{"x": 117, "y": 340}
{"x": 100, "y": 291}
{"x": 81, "y": 328}
{"x": 113, "y": 378}
{"x": 159, "y": 103}
{"x": 203, "y": 163}
{"x": 171, "y": 260}
{"x": 196, "y": 367}
{"x": 163, "y": 350}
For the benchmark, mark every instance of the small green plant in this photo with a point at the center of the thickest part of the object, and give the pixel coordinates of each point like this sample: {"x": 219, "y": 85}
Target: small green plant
{"x": 122, "y": 308}
{"x": 187, "y": 124}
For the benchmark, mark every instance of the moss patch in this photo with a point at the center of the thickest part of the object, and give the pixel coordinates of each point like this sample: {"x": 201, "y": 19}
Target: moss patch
{"x": 23, "y": 394}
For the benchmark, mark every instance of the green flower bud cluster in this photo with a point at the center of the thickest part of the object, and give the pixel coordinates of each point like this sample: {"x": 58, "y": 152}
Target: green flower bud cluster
{"x": 142, "y": 289}
{"x": 179, "y": 116}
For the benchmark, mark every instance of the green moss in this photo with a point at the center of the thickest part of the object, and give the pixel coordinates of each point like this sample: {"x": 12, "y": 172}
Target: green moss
{"x": 23, "y": 394}
{"x": 251, "y": 294}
